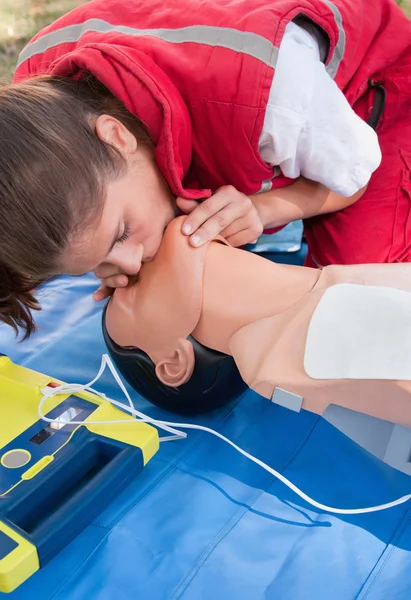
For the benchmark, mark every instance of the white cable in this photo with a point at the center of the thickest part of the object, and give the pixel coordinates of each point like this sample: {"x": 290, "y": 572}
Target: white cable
{"x": 170, "y": 427}
{"x": 73, "y": 388}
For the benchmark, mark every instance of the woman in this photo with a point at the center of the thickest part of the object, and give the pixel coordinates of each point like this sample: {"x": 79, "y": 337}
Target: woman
{"x": 256, "y": 109}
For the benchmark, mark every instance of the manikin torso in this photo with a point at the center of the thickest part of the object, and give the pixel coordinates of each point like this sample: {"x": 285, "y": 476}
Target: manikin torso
{"x": 336, "y": 336}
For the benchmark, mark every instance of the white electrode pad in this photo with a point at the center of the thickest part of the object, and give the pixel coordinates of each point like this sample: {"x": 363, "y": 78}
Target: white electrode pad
{"x": 360, "y": 332}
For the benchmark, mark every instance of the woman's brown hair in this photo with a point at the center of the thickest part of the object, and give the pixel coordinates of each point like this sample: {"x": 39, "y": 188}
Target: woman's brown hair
{"x": 53, "y": 168}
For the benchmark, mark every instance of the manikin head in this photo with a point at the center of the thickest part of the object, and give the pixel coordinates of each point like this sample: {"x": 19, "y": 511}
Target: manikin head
{"x": 164, "y": 362}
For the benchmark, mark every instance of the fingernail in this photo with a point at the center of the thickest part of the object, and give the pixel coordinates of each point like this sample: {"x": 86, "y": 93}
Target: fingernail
{"x": 122, "y": 281}
{"x": 196, "y": 240}
{"x": 187, "y": 229}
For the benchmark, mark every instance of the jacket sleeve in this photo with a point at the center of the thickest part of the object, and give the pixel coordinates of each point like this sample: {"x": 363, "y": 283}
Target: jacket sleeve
{"x": 310, "y": 128}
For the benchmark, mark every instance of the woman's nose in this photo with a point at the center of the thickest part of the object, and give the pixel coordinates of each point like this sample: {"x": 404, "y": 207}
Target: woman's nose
{"x": 128, "y": 258}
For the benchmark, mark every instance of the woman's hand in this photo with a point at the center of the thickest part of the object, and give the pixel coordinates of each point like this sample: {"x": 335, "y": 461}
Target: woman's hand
{"x": 228, "y": 213}
{"x": 111, "y": 278}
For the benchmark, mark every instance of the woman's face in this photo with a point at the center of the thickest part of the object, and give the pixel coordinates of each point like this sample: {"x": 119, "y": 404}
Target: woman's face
{"x": 136, "y": 210}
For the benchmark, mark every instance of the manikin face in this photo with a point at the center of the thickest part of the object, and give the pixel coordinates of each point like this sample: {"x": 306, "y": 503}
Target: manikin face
{"x": 136, "y": 210}
{"x": 159, "y": 312}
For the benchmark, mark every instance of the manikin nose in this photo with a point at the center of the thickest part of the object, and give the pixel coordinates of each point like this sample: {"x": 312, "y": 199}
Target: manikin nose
{"x": 128, "y": 259}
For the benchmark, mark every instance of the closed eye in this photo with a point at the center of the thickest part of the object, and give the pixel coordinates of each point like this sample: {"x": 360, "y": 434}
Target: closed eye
{"x": 124, "y": 236}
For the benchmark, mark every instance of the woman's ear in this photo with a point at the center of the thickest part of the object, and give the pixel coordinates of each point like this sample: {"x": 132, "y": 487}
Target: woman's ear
{"x": 111, "y": 131}
{"x": 178, "y": 368}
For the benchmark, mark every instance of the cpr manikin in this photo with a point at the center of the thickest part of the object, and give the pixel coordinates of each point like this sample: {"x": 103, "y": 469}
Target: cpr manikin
{"x": 301, "y": 337}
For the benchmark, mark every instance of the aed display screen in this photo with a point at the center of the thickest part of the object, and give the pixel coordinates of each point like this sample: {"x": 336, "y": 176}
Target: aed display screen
{"x": 59, "y": 422}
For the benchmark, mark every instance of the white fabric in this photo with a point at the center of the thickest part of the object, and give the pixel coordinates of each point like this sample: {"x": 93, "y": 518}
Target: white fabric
{"x": 360, "y": 332}
{"x": 309, "y": 127}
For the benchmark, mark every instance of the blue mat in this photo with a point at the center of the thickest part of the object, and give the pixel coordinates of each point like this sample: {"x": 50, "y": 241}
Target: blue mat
{"x": 203, "y": 522}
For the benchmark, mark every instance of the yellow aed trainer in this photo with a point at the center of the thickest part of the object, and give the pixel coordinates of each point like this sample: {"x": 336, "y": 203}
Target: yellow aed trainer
{"x": 55, "y": 478}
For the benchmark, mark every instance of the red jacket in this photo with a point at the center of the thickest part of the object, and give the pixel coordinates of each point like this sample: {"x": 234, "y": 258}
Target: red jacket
{"x": 198, "y": 72}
